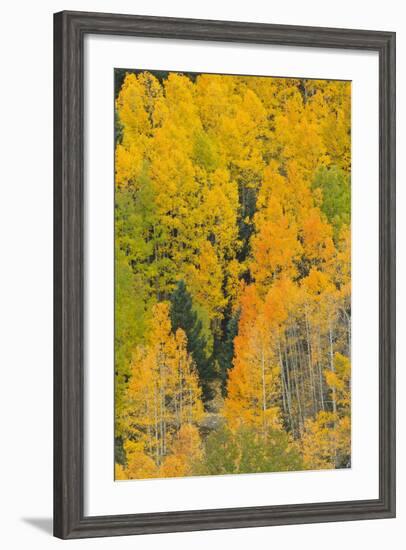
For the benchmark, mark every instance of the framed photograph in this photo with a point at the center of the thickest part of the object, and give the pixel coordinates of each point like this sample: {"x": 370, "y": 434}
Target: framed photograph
{"x": 224, "y": 275}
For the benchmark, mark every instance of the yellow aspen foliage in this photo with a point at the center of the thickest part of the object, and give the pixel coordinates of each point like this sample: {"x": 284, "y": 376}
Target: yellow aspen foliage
{"x": 140, "y": 466}
{"x": 220, "y": 206}
{"x": 128, "y": 162}
{"x": 327, "y": 438}
{"x": 275, "y": 246}
{"x": 335, "y": 131}
{"x": 318, "y": 246}
{"x": 341, "y": 266}
{"x": 234, "y": 283}
{"x": 317, "y": 283}
{"x": 205, "y": 280}
{"x": 299, "y": 136}
{"x": 186, "y": 451}
{"x": 339, "y": 380}
{"x": 327, "y": 442}
{"x": 119, "y": 472}
{"x": 188, "y": 442}
{"x": 182, "y": 109}
{"x": 163, "y": 394}
{"x": 173, "y": 466}
{"x": 134, "y": 108}
{"x": 135, "y": 104}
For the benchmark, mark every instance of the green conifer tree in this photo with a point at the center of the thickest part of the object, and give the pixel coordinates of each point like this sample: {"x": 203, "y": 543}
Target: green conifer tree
{"x": 224, "y": 347}
{"x": 183, "y": 316}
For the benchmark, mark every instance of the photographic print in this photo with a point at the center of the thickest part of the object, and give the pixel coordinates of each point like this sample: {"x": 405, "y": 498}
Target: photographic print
{"x": 232, "y": 274}
{"x": 224, "y": 274}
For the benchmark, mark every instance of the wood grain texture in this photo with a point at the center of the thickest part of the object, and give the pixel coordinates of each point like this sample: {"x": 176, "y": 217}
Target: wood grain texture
{"x": 69, "y": 31}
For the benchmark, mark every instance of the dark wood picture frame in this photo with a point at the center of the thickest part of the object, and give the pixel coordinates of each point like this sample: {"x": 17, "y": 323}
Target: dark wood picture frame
{"x": 69, "y": 31}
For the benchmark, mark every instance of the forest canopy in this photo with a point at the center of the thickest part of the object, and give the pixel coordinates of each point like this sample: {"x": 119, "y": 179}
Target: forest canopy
{"x": 232, "y": 274}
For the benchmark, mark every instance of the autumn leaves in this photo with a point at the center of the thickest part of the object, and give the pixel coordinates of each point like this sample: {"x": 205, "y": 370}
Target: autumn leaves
{"x": 232, "y": 274}
{"x": 163, "y": 400}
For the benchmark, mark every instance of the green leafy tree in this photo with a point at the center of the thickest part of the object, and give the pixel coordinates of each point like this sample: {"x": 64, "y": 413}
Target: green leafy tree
{"x": 335, "y": 187}
{"x": 221, "y": 453}
{"x": 249, "y": 451}
{"x": 273, "y": 453}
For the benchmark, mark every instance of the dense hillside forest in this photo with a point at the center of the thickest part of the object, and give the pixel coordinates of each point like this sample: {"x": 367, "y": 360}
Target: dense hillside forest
{"x": 232, "y": 274}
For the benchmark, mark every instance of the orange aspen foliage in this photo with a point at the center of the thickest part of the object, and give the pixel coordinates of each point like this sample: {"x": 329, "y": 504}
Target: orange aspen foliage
{"x": 254, "y": 382}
